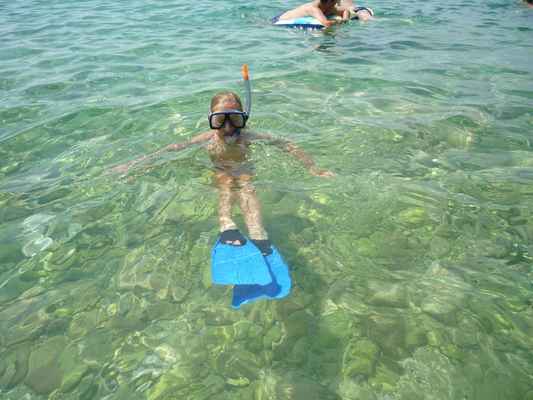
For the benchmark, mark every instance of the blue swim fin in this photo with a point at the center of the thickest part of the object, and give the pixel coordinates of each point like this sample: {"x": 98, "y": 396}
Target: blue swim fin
{"x": 277, "y": 289}
{"x": 238, "y": 265}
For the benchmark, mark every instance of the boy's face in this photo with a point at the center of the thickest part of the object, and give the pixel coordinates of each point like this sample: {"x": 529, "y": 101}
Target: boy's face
{"x": 227, "y": 132}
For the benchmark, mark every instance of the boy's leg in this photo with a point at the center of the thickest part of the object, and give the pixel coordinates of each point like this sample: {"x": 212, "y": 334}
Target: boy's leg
{"x": 224, "y": 183}
{"x": 250, "y": 207}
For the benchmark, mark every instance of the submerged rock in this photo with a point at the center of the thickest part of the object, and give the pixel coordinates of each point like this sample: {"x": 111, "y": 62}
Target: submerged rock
{"x": 97, "y": 347}
{"x": 239, "y": 365}
{"x": 64, "y": 258}
{"x": 429, "y": 371}
{"x": 334, "y": 328}
{"x": 352, "y": 389}
{"x": 387, "y": 294}
{"x": 34, "y": 234}
{"x": 385, "y": 379}
{"x": 73, "y": 367}
{"x": 13, "y": 367}
{"x": 298, "y": 353}
{"x": 360, "y": 358}
{"x": 439, "y": 247}
{"x": 389, "y": 332}
{"x": 273, "y": 336}
{"x": 37, "y": 223}
{"x": 295, "y": 388}
{"x": 415, "y": 335}
{"x": 87, "y": 388}
{"x": 462, "y": 138}
{"x": 14, "y": 288}
{"x": 84, "y": 322}
{"x": 36, "y": 244}
{"x": 187, "y": 381}
{"x": 445, "y": 293}
{"x": 298, "y": 324}
{"x": 441, "y": 308}
{"x": 10, "y": 254}
{"x": 44, "y": 374}
{"x": 414, "y": 217}
{"x": 384, "y": 245}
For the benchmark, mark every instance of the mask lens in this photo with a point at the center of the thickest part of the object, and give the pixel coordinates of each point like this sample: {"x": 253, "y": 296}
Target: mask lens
{"x": 237, "y": 120}
{"x": 217, "y": 120}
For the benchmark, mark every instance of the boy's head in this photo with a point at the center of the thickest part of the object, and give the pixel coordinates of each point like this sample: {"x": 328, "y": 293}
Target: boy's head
{"x": 226, "y": 100}
{"x": 227, "y": 116}
{"x": 327, "y": 2}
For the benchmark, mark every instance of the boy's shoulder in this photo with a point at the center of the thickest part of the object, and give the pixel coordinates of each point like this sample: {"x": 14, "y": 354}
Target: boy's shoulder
{"x": 313, "y": 4}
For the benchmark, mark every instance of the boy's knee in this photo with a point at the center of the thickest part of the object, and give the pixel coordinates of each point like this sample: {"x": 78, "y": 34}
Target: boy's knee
{"x": 247, "y": 188}
{"x": 245, "y": 183}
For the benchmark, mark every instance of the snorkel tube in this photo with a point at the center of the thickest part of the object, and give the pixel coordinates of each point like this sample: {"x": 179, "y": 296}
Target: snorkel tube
{"x": 248, "y": 87}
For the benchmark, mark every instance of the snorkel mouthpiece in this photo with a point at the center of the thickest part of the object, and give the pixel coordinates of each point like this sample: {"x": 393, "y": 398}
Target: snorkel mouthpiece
{"x": 248, "y": 88}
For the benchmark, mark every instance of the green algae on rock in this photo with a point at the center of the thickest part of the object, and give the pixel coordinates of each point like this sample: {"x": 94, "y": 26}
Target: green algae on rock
{"x": 360, "y": 358}
{"x": 13, "y": 366}
{"x": 44, "y": 372}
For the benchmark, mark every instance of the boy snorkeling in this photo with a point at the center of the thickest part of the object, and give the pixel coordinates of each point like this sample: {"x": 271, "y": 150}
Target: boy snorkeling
{"x": 227, "y": 144}
{"x": 322, "y": 9}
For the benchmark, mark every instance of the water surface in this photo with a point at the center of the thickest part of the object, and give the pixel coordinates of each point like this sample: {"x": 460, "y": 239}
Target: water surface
{"x": 412, "y": 268}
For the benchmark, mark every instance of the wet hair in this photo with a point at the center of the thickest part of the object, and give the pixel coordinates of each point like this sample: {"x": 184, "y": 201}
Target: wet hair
{"x": 325, "y": 1}
{"x": 223, "y": 97}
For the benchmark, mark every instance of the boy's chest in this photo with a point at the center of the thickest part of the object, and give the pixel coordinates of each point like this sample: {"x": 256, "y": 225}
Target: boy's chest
{"x": 223, "y": 151}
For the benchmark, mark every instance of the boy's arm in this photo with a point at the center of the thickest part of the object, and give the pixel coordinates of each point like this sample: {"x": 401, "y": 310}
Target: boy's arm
{"x": 318, "y": 14}
{"x": 342, "y": 12}
{"x": 293, "y": 150}
{"x": 202, "y": 137}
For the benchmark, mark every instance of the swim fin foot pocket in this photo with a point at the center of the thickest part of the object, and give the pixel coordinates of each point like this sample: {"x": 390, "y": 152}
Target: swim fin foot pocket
{"x": 264, "y": 245}
{"x": 231, "y": 236}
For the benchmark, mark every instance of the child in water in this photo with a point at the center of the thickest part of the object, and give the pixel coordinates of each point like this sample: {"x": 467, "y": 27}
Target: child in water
{"x": 321, "y": 9}
{"x": 228, "y": 146}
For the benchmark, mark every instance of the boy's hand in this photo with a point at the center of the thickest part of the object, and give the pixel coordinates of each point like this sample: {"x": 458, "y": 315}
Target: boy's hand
{"x": 324, "y": 173}
{"x": 330, "y": 22}
{"x": 345, "y": 15}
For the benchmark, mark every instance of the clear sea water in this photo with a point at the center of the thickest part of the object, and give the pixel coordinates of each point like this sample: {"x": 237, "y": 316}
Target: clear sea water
{"x": 412, "y": 268}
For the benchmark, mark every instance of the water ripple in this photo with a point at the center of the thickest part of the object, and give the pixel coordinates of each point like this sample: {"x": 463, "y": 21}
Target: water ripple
{"x": 418, "y": 253}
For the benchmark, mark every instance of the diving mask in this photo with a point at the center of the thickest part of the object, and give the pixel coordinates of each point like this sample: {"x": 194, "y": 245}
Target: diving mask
{"x": 236, "y": 118}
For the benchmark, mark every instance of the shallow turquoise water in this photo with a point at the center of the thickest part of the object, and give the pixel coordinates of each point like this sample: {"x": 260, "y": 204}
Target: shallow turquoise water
{"x": 412, "y": 267}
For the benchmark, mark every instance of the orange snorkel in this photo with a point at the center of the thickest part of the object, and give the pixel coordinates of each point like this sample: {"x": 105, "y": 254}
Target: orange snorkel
{"x": 248, "y": 87}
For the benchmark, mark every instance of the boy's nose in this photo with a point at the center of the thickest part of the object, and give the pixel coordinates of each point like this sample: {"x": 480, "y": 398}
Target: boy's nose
{"x": 227, "y": 125}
